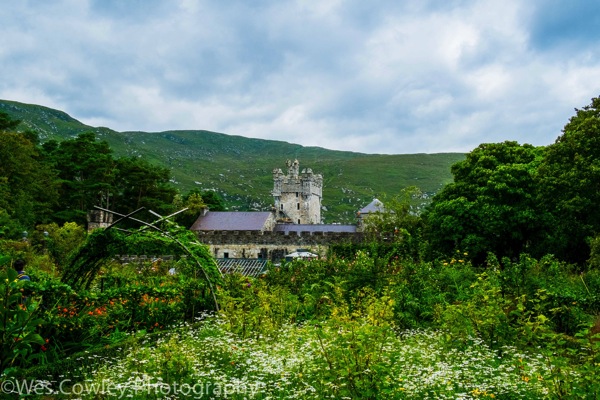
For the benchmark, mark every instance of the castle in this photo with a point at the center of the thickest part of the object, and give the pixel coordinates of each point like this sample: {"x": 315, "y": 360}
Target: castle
{"x": 294, "y": 222}
{"x": 297, "y": 197}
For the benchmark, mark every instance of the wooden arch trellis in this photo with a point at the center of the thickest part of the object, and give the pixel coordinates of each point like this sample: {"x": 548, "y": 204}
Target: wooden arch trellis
{"x": 72, "y": 276}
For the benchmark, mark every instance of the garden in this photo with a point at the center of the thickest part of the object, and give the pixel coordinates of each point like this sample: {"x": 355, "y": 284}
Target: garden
{"x": 491, "y": 290}
{"x": 365, "y": 322}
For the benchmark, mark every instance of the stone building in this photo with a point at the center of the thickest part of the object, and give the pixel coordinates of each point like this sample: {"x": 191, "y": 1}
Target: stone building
{"x": 297, "y": 196}
{"x": 293, "y": 223}
{"x": 98, "y": 219}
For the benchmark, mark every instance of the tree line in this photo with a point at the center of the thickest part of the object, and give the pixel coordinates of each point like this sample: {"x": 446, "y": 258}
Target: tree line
{"x": 506, "y": 198}
{"x": 59, "y": 182}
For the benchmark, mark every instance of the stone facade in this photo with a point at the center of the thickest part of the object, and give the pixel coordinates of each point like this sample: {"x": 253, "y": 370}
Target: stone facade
{"x": 98, "y": 219}
{"x": 294, "y": 223}
{"x": 297, "y": 195}
{"x": 272, "y": 246}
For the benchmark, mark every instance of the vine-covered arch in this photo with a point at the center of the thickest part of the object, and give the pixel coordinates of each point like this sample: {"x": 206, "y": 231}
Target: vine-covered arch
{"x": 104, "y": 244}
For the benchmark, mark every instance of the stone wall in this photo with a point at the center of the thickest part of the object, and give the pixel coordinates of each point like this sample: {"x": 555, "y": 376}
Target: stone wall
{"x": 297, "y": 196}
{"x": 271, "y": 245}
{"x": 98, "y": 219}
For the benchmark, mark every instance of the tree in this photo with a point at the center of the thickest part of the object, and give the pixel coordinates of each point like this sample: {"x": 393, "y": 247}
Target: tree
{"x": 7, "y": 124}
{"x": 569, "y": 181}
{"x": 196, "y": 200}
{"x": 27, "y": 183}
{"x": 86, "y": 169}
{"x": 212, "y": 199}
{"x": 490, "y": 206}
{"x": 141, "y": 184}
{"x": 397, "y": 218}
{"x": 61, "y": 241}
{"x": 398, "y": 222}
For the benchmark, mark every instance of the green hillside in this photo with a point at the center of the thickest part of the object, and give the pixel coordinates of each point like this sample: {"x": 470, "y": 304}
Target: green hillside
{"x": 241, "y": 168}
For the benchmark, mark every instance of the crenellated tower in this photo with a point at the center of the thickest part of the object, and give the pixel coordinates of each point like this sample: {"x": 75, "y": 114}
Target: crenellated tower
{"x": 297, "y": 195}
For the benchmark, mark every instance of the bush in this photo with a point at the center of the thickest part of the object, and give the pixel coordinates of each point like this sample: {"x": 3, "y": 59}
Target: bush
{"x": 19, "y": 324}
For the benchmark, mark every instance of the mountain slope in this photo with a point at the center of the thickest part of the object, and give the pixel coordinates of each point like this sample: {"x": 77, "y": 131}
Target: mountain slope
{"x": 241, "y": 168}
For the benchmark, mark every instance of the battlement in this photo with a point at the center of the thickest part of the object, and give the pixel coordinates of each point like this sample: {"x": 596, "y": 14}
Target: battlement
{"x": 276, "y": 238}
{"x": 297, "y": 196}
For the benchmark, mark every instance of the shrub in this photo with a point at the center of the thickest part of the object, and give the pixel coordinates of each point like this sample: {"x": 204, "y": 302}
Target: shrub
{"x": 19, "y": 324}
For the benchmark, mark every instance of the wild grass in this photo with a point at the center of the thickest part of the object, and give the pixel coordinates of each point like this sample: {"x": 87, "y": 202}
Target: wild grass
{"x": 290, "y": 364}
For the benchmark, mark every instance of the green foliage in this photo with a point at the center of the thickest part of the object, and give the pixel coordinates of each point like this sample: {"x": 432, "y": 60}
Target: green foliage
{"x": 399, "y": 222}
{"x": 138, "y": 183}
{"x": 27, "y": 184}
{"x": 240, "y": 168}
{"x": 568, "y": 183}
{"x": 252, "y": 309}
{"x": 60, "y": 241}
{"x": 210, "y": 198}
{"x": 9, "y": 227}
{"x": 352, "y": 346}
{"x": 491, "y": 205}
{"x": 119, "y": 304}
{"x": 18, "y": 324}
{"x": 86, "y": 262}
{"x": 85, "y": 168}
{"x": 483, "y": 315}
{"x": 291, "y": 364}
{"x": 336, "y": 327}
{"x": 196, "y": 201}
{"x": 7, "y": 123}
{"x": 62, "y": 181}
{"x": 594, "y": 260}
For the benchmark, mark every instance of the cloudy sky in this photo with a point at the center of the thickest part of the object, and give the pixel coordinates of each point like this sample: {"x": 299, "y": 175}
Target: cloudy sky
{"x": 380, "y": 76}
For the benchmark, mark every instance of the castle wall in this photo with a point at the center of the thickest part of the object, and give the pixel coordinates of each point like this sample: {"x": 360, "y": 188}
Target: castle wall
{"x": 97, "y": 219}
{"x": 271, "y": 245}
{"x": 297, "y": 196}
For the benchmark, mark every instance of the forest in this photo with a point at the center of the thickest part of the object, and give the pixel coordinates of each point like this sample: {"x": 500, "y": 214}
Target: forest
{"x": 490, "y": 291}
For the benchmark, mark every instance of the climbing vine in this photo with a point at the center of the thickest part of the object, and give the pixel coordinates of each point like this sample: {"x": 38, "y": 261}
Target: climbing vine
{"x": 85, "y": 263}
{"x": 103, "y": 244}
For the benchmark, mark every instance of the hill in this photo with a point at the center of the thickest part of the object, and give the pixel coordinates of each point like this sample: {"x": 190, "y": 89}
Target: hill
{"x": 240, "y": 168}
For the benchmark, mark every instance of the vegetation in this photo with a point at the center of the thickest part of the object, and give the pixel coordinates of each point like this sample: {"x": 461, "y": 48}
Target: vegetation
{"x": 240, "y": 169}
{"x": 482, "y": 295}
{"x": 491, "y": 206}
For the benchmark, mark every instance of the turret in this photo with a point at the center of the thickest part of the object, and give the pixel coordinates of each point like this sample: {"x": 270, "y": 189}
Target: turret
{"x": 297, "y": 196}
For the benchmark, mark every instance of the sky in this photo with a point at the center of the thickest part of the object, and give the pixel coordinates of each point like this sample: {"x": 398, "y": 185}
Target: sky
{"x": 379, "y": 76}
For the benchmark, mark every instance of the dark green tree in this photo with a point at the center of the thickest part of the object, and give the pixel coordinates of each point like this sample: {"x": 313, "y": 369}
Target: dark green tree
{"x": 398, "y": 222}
{"x": 212, "y": 199}
{"x": 139, "y": 183}
{"x": 195, "y": 200}
{"x": 490, "y": 206}
{"x": 7, "y": 124}
{"x": 27, "y": 183}
{"x": 86, "y": 171}
{"x": 569, "y": 183}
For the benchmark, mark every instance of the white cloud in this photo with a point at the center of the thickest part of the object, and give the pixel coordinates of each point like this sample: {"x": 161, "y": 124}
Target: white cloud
{"x": 384, "y": 77}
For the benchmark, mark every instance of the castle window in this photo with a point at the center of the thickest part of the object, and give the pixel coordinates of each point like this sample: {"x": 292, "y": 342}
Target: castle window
{"x": 225, "y": 255}
{"x": 282, "y": 207}
{"x": 298, "y": 205}
{"x": 298, "y": 222}
{"x": 296, "y": 194}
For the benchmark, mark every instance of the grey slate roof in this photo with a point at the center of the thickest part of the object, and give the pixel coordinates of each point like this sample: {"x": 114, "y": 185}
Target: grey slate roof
{"x": 232, "y": 221}
{"x": 245, "y": 266}
{"x": 288, "y": 228}
{"x": 372, "y": 207}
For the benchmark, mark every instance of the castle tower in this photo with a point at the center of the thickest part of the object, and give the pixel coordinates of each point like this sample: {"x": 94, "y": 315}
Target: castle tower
{"x": 297, "y": 195}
